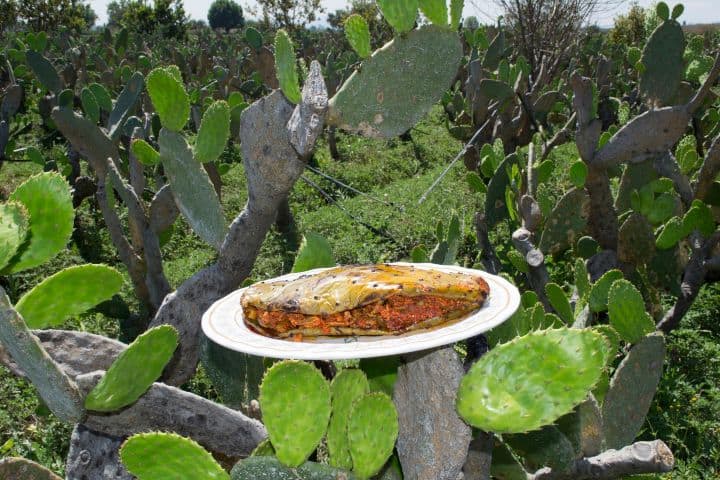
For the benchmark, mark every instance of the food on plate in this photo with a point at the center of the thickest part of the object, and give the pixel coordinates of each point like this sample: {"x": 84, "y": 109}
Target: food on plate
{"x": 350, "y": 300}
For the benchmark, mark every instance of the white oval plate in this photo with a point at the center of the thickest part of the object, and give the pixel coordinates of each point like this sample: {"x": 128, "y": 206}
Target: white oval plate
{"x": 223, "y": 324}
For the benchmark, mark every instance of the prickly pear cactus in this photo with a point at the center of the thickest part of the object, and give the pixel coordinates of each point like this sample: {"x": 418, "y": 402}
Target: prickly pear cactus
{"x": 134, "y": 371}
{"x": 663, "y": 64}
{"x": 67, "y": 293}
{"x": 269, "y": 468}
{"x": 169, "y": 97}
{"x": 144, "y": 152}
{"x": 372, "y": 431}
{"x": 357, "y": 33}
{"x": 400, "y": 14}
{"x": 295, "y": 432}
{"x": 626, "y": 310}
{"x": 13, "y": 229}
{"x": 167, "y": 456}
{"x": 547, "y": 447}
{"x": 213, "y": 133}
{"x": 47, "y": 200}
{"x": 435, "y": 10}
{"x": 381, "y": 99}
{"x": 566, "y": 222}
{"x": 501, "y": 391}
{"x": 347, "y": 387}
{"x": 44, "y": 71}
{"x": 125, "y": 104}
{"x": 286, "y": 67}
{"x": 583, "y": 428}
{"x": 24, "y": 469}
{"x": 631, "y": 391}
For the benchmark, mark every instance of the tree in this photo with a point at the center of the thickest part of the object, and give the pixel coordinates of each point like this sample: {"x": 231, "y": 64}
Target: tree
{"x": 629, "y": 28}
{"x": 290, "y": 14}
{"x": 47, "y": 15}
{"x": 166, "y": 16}
{"x": 225, "y": 14}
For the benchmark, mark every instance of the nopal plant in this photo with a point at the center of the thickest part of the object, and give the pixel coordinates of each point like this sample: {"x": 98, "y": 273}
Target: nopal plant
{"x": 570, "y": 377}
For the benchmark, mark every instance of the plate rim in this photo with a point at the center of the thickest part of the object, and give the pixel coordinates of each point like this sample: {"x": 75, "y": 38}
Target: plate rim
{"x": 358, "y": 349}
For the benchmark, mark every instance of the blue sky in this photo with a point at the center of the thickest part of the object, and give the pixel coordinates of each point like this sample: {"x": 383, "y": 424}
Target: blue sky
{"x": 696, "y": 11}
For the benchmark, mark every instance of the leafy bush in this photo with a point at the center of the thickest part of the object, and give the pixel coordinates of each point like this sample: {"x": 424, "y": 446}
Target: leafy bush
{"x": 225, "y": 14}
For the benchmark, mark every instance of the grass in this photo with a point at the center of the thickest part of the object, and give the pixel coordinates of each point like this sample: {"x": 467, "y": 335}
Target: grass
{"x": 686, "y": 409}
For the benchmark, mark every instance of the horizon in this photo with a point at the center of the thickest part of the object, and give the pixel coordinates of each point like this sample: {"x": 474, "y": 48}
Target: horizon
{"x": 696, "y": 11}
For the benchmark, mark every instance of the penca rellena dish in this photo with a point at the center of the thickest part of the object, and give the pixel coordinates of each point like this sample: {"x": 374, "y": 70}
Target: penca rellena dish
{"x": 361, "y": 300}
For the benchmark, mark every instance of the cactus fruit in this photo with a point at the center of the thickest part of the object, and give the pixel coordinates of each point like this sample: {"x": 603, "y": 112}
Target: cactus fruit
{"x": 144, "y": 152}
{"x": 295, "y": 432}
{"x": 13, "y": 229}
{"x": 566, "y": 222}
{"x": 636, "y": 241}
{"x": 547, "y": 447}
{"x": 559, "y": 302}
{"x": 663, "y": 64}
{"x": 235, "y": 375}
{"x": 134, "y": 371}
{"x": 90, "y": 105}
{"x": 598, "y": 298}
{"x": 315, "y": 252}
{"x": 48, "y": 202}
{"x": 67, "y": 293}
{"x": 24, "y": 469}
{"x": 56, "y": 389}
{"x": 436, "y": 11}
{"x": 400, "y": 14}
{"x": 169, "y": 97}
{"x": 501, "y": 392}
{"x": 213, "y": 133}
{"x": 357, "y": 33}
{"x": 286, "y": 67}
{"x": 372, "y": 431}
{"x": 125, "y": 104}
{"x": 167, "y": 456}
{"x": 495, "y": 203}
{"x": 631, "y": 391}
{"x": 348, "y": 386}
{"x": 626, "y": 310}
{"x": 381, "y": 99}
{"x": 192, "y": 189}
{"x": 44, "y": 71}
{"x": 269, "y": 468}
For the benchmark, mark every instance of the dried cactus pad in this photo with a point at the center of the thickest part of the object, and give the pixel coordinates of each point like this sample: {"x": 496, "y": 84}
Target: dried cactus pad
{"x": 134, "y": 371}
{"x": 394, "y": 89}
{"x": 531, "y": 381}
{"x": 295, "y": 403}
{"x": 166, "y": 456}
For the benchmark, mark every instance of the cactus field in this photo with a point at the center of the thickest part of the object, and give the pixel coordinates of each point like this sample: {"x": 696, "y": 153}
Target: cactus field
{"x": 147, "y": 172}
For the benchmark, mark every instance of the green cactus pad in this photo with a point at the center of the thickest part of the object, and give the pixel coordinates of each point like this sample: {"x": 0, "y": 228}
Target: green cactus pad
{"x": 612, "y": 337}
{"x": 348, "y": 386}
{"x": 456, "y": 10}
{"x": 357, "y": 33}
{"x": 662, "y": 11}
{"x": 48, "y": 202}
{"x": 677, "y": 11}
{"x": 169, "y": 97}
{"x": 583, "y": 427}
{"x": 214, "y": 132}
{"x": 372, "y": 430}
{"x": 400, "y": 14}
{"x": 635, "y": 176}
{"x": 90, "y": 105}
{"x": 134, "y": 371}
{"x": 315, "y": 252}
{"x": 269, "y": 468}
{"x": 504, "y": 464}
{"x": 101, "y": 96}
{"x": 699, "y": 217}
{"x": 253, "y": 38}
{"x": 582, "y": 281}
{"x": 663, "y": 62}
{"x": 235, "y": 375}
{"x": 559, "y": 302}
{"x": 532, "y": 380}
{"x": 598, "y": 299}
{"x": 381, "y": 373}
{"x": 68, "y": 293}
{"x": 586, "y": 247}
{"x": 295, "y": 432}
{"x": 167, "y": 456}
{"x": 626, "y": 309}
{"x": 144, "y": 152}
{"x": 435, "y": 10}
{"x": 264, "y": 449}
{"x": 578, "y": 173}
{"x": 566, "y": 222}
{"x": 496, "y": 90}
{"x": 286, "y": 67}
{"x": 672, "y": 232}
{"x": 125, "y": 104}
{"x": 383, "y": 100}
{"x": 547, "y": 447}
{"x": 24, "y": 469}
{"x": 636, "y": 241}
{"x": 495, "y": 204}
{"x": 631, "y": 391}
{"x": 192, "y": 189}
{"x": 14, "y": 221}
{"x": 44, "y": 71}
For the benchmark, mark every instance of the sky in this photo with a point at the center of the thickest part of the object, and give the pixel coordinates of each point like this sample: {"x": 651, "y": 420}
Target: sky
{"x": 696, "y": 11}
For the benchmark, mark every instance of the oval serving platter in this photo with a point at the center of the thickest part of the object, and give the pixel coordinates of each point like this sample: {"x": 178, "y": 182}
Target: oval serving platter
{"x": 223, "y": 324}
